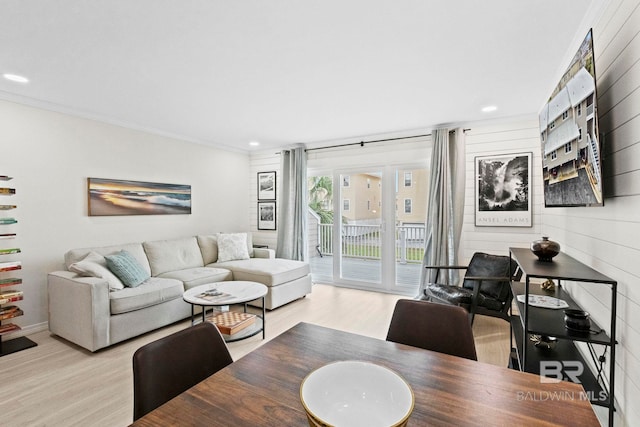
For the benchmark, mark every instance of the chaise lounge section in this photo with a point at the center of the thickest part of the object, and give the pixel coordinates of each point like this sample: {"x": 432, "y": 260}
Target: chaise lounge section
{"x": 93, "y": 308}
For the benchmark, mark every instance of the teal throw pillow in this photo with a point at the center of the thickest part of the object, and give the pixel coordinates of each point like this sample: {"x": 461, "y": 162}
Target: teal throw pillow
{"x": 127, "y": 268}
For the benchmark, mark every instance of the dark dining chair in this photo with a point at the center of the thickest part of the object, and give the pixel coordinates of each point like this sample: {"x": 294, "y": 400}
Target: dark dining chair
{"x": 165, "y": 368}
{"x": 486, "y": 289}
{"x": 436, "y": 327}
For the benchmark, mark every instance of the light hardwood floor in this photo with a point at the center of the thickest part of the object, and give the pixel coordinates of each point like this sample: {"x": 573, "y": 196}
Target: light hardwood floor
{"x": 60, "y": 384}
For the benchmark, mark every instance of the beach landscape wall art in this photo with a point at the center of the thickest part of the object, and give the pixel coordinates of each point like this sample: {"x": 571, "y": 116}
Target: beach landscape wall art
{"x": 108, "y": 197}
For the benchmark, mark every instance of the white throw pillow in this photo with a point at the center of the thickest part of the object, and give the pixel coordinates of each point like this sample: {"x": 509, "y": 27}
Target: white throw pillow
{"x": 232, "y": 246}
{"x": 95, "y": 265}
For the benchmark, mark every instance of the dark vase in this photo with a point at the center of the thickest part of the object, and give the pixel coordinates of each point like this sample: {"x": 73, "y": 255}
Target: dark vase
{"x": 545, "y": 249}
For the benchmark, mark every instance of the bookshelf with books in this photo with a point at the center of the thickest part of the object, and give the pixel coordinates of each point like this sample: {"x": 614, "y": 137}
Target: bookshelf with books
{"x": 9, "y": 295}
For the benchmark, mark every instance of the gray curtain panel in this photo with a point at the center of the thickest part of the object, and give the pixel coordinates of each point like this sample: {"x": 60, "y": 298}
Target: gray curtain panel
{"x": 292, "y": 219}
{"x": 446, "y": 206}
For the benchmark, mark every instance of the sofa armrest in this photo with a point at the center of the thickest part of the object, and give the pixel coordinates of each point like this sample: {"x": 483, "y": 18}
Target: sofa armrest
{"x": 264, "y": 253}
{"x": 79, "y": 309}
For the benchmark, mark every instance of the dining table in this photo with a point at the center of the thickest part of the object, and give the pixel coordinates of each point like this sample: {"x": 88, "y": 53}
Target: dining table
{"x": 263, "y": 387}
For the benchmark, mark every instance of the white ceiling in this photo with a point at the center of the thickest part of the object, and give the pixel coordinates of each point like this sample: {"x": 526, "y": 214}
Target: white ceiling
{"x": 286, "y": 71}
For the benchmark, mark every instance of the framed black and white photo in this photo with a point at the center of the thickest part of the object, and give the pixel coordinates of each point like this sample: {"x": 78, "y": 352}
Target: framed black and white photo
{"x": 503, "y": 197}
{"x": 267, "y": 215}
{"x": 266, "y": 185}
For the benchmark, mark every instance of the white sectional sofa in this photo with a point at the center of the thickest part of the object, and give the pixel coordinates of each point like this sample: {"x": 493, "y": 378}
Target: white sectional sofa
{"x": 92, "y": 307}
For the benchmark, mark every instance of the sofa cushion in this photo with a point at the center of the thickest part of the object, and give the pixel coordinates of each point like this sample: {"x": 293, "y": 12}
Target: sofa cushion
{"x": 199, "y": 276}
{"x": 135, "y": 249}
{"x": 270, "y": 272}
{"x": 171, "y": 255}
{"x": 95, "y": 265}
{"x": 232, "y": 246}
{"x": 127, "y": 268}
{"x": 208, "y": 247}
{"x": 151, "y": 292}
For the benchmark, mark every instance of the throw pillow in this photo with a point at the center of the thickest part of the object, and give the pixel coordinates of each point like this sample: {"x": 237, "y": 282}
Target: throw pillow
{"x": 95, "y": 265}
{"x": 127, "y": 268}
{"x": 209, "y": 248}
{"x": 232, "y": 246}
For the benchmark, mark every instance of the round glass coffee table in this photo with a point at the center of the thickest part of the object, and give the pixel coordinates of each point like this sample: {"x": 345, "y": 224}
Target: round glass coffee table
{"x": 222, "y": 294}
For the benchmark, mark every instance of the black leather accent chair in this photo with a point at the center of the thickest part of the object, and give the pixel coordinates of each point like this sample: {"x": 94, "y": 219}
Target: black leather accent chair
{"x": 165, "y": 368}
{"x": 436, "y": 327}
{"x": 486, "y": 287}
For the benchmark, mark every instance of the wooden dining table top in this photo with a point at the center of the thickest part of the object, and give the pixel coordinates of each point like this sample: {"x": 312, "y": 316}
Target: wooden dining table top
{"x": 263, "y": 387}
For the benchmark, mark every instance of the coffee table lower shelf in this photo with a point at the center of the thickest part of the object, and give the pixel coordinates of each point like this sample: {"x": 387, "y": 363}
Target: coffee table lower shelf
{"x": 248, "y": 332}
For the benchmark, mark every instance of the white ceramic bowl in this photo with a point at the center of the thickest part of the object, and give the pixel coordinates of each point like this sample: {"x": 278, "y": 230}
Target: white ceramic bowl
{"x": 355, "y": 393}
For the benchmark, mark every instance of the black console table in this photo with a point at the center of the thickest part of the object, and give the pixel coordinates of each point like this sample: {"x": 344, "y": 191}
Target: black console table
{"x": 550, "y": 322}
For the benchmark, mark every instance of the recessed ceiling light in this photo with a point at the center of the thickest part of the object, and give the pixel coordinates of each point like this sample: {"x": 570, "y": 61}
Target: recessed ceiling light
{"x": 15, "y": 78}
{"x": 489, "y": 108}
{"x": 254, "y": 143}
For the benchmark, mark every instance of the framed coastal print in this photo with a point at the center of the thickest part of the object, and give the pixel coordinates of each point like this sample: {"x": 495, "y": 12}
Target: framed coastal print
{"x": 266, "y": 185}
{"x": 502, "y": 196}
{"x": 267, "y": 215}
{"x": 108, "y": 197}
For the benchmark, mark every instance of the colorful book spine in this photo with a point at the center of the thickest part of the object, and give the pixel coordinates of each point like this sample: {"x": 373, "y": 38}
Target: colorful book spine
{"x": 5, "y": 190}
{"x": 7, "y": 207}
{"x": 11, "y": 265}
{"x": 10, "y": 281}
{"x": 8, "y": 236}
{"x": 11, "y": 314}
{"x": 9, "y": 251}
{"x": 8, "y": 309}
{"x": 8, "y": 220}
{"x": 9, "y": 327}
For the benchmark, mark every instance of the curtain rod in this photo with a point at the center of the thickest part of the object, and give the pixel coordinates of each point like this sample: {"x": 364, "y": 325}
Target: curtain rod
{"x": 361, "y": 143}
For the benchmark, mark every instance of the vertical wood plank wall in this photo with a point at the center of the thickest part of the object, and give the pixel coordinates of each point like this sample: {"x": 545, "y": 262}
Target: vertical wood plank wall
{"x": 263, "y": 162}
{"x": 520, "y": 136}
{"x": 608, "y": 238}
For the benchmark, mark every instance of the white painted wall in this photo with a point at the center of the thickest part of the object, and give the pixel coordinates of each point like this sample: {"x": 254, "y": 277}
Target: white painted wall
{"x": 50, "y": 155}
{"x": 608, "y": 238}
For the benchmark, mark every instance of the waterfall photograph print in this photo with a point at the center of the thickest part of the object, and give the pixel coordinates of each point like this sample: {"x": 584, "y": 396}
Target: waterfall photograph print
{"x": 117, "y": 197}
{"x": 503, "y": 197}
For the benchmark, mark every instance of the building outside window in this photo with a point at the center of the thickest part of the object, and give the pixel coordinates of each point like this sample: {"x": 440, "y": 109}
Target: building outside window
{"x": 408, "y": 178}
{"x": 579, "y": 134}
{"x": 565, "y": 115}
{"x": 345, "y": 205}
{"x": 407, "y": 206}
{"x": 567, "y": 147}
{"x": 346, "y": 180}
{"x": 554, "y": 155}
{"x": 579, "y": 110}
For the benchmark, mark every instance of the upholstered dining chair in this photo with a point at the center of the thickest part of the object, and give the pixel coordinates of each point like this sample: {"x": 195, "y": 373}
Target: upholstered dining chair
{"x": 165, "y": 368}
{"x": 436, "y": 327}
{"x": 486, "y": 289}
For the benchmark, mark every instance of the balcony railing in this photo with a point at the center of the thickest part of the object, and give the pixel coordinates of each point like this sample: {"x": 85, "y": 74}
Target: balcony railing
{"x": 363, "y": 241}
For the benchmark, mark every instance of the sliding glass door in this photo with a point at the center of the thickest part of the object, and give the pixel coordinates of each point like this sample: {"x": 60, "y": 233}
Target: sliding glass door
{"x": 360, "y": 227}
{"x": 376, "y": 239}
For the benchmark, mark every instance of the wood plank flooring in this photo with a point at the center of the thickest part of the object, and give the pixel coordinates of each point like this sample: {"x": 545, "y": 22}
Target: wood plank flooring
{"x": 60, "y": 384}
